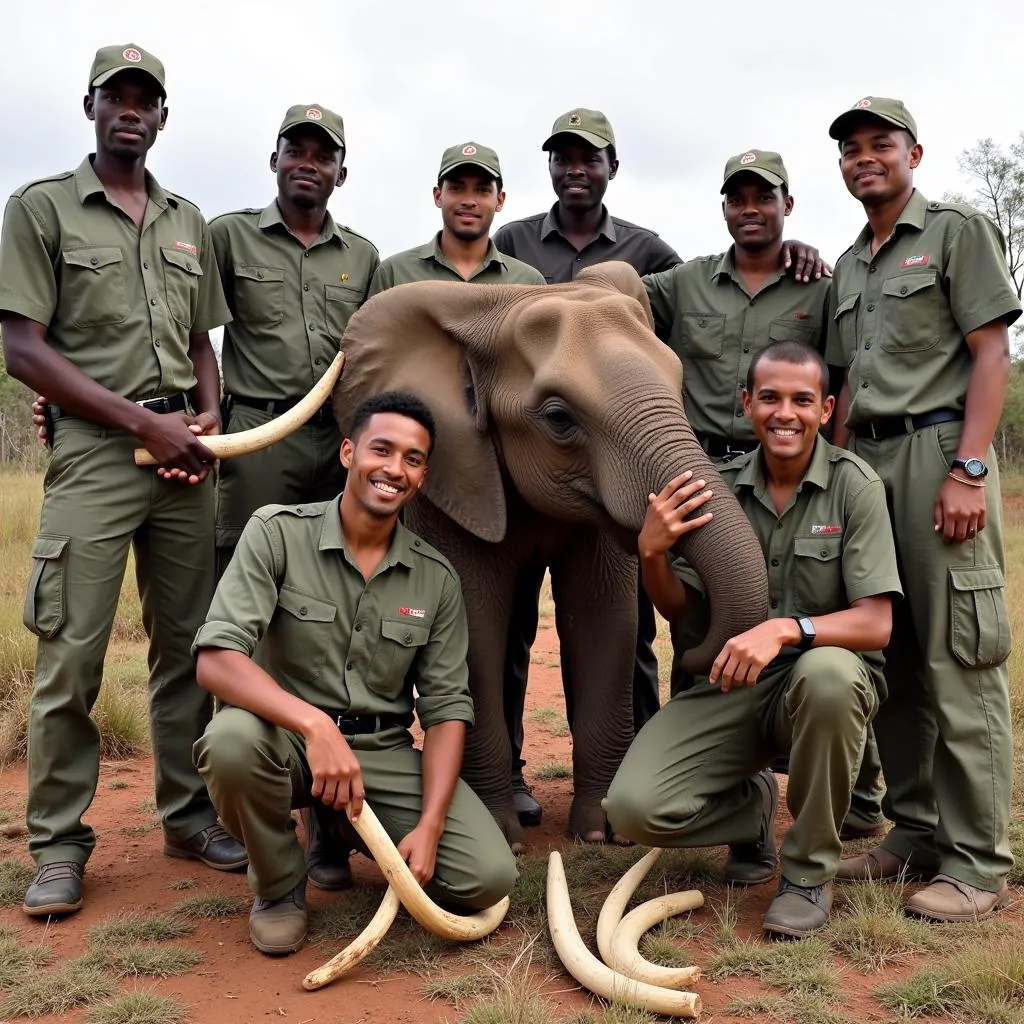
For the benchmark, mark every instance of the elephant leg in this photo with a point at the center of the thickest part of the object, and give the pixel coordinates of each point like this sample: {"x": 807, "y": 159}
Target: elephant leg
{"x": 594, "y": 587}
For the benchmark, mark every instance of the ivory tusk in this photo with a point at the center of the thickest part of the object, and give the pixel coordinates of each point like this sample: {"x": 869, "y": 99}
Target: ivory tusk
{"x": 617, "y": 900}
{"x": 625, "y": 956}
{"x": 359, "y": 948}
{"x": 226, "y": 446}
{"x": 594, "y": 975}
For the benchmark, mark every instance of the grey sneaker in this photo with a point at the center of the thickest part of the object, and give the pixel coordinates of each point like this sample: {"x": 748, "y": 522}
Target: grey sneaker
{"x": 279, "y": 926}
{"x": 56, "y": 889}
{"x": 798, "y": 910}
{"x": 754, "y": 863}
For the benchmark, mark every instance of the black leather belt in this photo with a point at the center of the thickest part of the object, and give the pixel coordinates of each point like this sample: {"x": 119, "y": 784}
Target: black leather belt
{"x": 277, "y": 406}
{"x": 360, "y": 725}
{"x": 894, "y": 426}
{"x": 170, "y": 403}
{"x": 722, "y": 448}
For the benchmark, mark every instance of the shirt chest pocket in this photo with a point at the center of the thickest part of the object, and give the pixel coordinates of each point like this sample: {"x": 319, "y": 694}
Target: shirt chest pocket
{"x": 400, "y": 641}
{"x": 818, "y": 586}
{"x": 340, "y": 303}
{"x": 794, "y": 329}
{"x": 302, "y": 635}
{"x": 94, "y": 286}
{"x": 703, "y": 335}
{"x": 182, "y": 273}
{"x": 259, "y": 295}
{"x": 846, "y": 325}
{"x": 910, "y": 313}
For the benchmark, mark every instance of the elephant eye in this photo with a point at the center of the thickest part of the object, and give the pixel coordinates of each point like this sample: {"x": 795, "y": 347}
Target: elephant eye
{"x": 559, "y": 419}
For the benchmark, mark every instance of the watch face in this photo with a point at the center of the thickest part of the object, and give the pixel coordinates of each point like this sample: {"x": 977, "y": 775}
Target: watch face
{"x": 974, "y": 467}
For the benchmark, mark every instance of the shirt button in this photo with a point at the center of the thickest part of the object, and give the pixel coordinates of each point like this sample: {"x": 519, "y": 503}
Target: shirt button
{"x": 312, "y": 327}
{"x": 303, "y": 610}
{"x": 415, "y": 543}
{"x": 867, "y": 345}
{"x": 739, "y": 412}
{"x": 871, "y": 307}
{"x": 903, "y": 290}
{"x": 259, "y": 275}
{"x": 872, "y": 268}
{"x": 152, "y": 302}
{"x": 305, "y": 287}
{"x": 359, "y": 627}
{"x": 824, "y": 552}
{"x": 305, "y": 255}
{"x": 579, "y": 259}
{"x": 746, "y": 348}
{"x": 774, "y": 603}
{"x": 348, "y": 667}
{"x": 188, "y": 266}
{"x": 775, "y": 562}
{"x": 145, "y": 266}
{"x": 863, "y": 384}
{"x": 157, "y": 342}
{"x": 95, "y": 260}
{"x": 317, "y": 362}
{"x": 407, "y": 638}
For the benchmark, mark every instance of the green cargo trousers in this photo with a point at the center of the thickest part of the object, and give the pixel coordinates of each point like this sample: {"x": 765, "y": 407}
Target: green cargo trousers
{"x": 944, "y": 731}
{"x": 96, "y": 502}
{"x": 257, "y": 772}
{"x": 686, "y": 780}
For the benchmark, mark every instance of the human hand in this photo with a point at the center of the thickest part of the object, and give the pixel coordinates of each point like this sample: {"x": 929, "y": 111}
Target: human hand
{"x": 39, "y": 419}
{"x": 172, "y": 439}
{"x": 337, "y": 777}
{"x": 744, "y": 657}
{"x": 807, "y": 260}
{"x": 959, "y": 509}
{"x": 665, "y": 521}
{"x": 419, "y": 850}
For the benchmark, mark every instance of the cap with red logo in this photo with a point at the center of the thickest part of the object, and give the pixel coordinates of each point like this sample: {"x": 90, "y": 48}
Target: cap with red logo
{"x": 879, "y": 108}
{"x": 471, "y": 154}
{"x": 112, "y": 60}
{"x": 761, "y": 162}
{"x": 318, "y": 116}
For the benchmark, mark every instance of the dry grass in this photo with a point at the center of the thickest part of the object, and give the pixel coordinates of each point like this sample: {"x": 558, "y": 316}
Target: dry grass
{"x": 14, "y": 878}
{"x": 553, "y": 770}
{"x": 144, "y": 959}
{"x": 130, "y": 929}
{"x": 212, "y": 905}
{"x": 57, "y": 991}
{"x": 139, "y": 1007}
{"x": 18, "y": 957}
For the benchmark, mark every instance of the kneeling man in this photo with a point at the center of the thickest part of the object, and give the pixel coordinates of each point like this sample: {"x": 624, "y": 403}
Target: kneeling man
{"x": 327, "y": 617}
{"x": 804, "y": 684}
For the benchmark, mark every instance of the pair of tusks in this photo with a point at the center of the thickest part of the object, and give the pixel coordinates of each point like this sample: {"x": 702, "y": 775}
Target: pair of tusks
{"x": 225, "y": 446}
{"x": 402, "y": 888}
{"x": 624, "y": 976}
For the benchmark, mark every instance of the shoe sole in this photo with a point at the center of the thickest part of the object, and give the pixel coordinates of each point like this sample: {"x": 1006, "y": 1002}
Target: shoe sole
{"x": 52, "y": 909}
{"x": 175, "y": 851}
{"x": 278, "y": 950}
{"x": 931, "y": 915}
{"x": 791, "y": 933}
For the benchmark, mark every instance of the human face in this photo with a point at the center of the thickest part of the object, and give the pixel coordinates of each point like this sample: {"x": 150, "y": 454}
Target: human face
{"x": 308, "y": 166}
{"x": 755, "y": 212}
{"x": 877, "y": 162}
{"x": 468, "y": 200}
{"x": 128, "y": 111}
{"x": 788, "y": 407}
{"x": 580, "y": 173}
{"x": 386, "y": 463}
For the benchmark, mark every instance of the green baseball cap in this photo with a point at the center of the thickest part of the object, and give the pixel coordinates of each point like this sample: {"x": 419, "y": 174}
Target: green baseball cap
{"x": 111, "y": 60}
{"x": 318, "y": 116}
{"x": 760, "y": 162}
{"x": 881, "y": 107}
{"x": 589, "y": 125}
{"x": 471, "y": 153}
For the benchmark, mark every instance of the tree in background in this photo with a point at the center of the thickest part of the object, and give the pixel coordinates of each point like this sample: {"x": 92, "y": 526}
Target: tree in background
{"x": 19, "y": 446}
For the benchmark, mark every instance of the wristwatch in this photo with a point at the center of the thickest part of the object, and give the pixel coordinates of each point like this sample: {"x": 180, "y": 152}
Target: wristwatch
{"x": 807, "y": 631}
{"x": 974, "y": 468}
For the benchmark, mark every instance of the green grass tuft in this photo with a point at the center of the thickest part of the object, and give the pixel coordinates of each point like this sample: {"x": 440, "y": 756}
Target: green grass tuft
{"x": 185, "y": 883}
{"x": 211, "y": 906}
{"x": 145, "y": 959}
{"x": 795, "y": 967}
{"x": 457, "y": 988}
{"x": 56, "y": 992}
{"x": 553, "y": 770}
{"x": 127, "y": 929}
{"x": 17, "y": 958}
{"x": 118, "y": 784}
{"x": 139, "y": 1007}
{"x": 545, "y": 714}
{"x": 14, "y": 878}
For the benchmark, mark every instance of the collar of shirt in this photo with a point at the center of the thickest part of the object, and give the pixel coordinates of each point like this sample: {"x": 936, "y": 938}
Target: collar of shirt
{"x": 752, "y": 473}
{"x": 432, "y": 251}
{"x": 271, "y": 218}
{"x": 726, "y": 267}
{"x": 88, "y": 184}
{"x": 332, "y": 538}
{"x": 551, "y": 225}
{"x": 913, "y": 216}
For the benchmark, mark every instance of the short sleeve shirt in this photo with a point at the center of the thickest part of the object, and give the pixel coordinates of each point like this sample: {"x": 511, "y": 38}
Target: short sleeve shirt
{"x": 704, "y": 313}
{"x": 539, "y": 241}
{"x": 290, "y": 304}
{"x": 333, "y": 638}
{"x": 900, "y": 318}
{"x": 117, "y": 301}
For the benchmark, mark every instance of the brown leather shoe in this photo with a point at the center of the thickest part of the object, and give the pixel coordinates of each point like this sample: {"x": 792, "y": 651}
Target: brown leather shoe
{"x": 878, "y": 865}
{"x": 949, "y": 899}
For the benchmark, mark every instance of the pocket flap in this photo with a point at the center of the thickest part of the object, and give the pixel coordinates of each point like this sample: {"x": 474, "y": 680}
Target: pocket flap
{"x": 822, "y": 548}
{"x": 791, "y": 330}
{"x": 988, "y": 577}
{"x": 907, "y": 284}
{"x": 342, "y": 293}
{"x": 845, "y": 304}
{"x": 183, "y": 260}
{"x": 306, "y": 608}
{"x": 259, "y": 273}
{"x": 49, "y": 547}
{"x": 408, "y": 634}
{"x": 705, "y": 321}
{"x": 94, "y": 257}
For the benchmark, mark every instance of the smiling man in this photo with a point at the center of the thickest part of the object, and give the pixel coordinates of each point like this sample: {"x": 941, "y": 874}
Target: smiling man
{"x": 803, "y": 684}
{"x": 357, "y": 622}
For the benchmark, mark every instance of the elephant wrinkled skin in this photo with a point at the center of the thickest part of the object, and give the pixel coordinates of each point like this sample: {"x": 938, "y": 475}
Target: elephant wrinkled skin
{"x": 558, "y": 411}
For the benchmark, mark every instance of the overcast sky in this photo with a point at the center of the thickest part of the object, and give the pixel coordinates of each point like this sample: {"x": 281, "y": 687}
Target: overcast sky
{"x": 684, "y": 84}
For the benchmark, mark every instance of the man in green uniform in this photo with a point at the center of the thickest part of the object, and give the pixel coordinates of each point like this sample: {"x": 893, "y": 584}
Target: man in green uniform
{"x": 350, "y": 612}
{"x": 805, "y": 683}
{"x": 107, "y": 292}
{"x": 716, "y": 313}
{"x": 469, "y": 192}
{"x": 922, "y": 303}
{"x": 292, "y": 278}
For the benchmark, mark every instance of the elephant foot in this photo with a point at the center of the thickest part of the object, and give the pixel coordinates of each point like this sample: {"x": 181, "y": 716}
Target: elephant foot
{"x": 587, "y": 820}
{"x": 508, "y": 821}
{"x": 594, "y": 836}
{"x": 518, "y": 849}
{"x": 621, "y": 840}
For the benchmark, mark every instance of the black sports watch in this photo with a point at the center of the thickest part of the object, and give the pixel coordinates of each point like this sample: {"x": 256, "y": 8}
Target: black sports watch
{"x": 807, "y": 632}
{"x": 974, "y": 468}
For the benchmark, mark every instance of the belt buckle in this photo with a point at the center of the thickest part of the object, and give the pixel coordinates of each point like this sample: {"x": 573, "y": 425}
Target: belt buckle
{"x": 732, "y": 453}
{"x": 874, "y": 431}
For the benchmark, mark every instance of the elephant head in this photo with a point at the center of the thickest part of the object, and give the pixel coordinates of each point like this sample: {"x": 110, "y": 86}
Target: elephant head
{"x": 565, "y": 391}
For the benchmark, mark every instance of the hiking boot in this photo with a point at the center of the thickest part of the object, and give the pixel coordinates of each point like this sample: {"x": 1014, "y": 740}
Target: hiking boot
{"x": 56, "y": 889}
{"x": 279, "y": 926}
{"x": 798, "y": 910}
{"x": 949, "y": 899}
{"x": 754, "y": 863}
{"x": 878, "y": 865}
{"x": 326, "y": 854}
{"x": 528, "y": 810}
{"x": 214, "y": 846}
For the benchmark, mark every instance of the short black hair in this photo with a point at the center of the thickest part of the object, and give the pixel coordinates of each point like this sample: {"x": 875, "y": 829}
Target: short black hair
{"x": 789, "y": 351}
{"x": 398, "y": 402}
{"x": 444, "y": 178}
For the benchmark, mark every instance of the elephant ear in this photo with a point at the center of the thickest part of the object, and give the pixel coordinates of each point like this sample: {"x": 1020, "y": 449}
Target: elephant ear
{"x": 433, "y": 339}
{"x": 621, "y": 277}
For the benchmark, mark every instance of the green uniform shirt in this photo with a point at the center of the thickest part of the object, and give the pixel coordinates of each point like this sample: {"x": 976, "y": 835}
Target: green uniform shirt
{"x": 900, "y": 317}
{"x": 333, "y": 638}
{"x": 539, "y": 241}
{"x": 118, "y": 302}
{"x": 428, "y": 263}
{"x": 704, "y": 313}
{"x": 290, "y": 304}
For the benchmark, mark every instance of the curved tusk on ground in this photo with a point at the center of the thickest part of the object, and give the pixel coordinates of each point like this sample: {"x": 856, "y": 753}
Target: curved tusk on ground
{"x": 625, "y": 956}
{"x": 226, "y": 446}
{"x": 359, "y": 948}
{"x": 618, "y": 898}
{"x": 594, "y": 975}
{"x": 417, "y": 902}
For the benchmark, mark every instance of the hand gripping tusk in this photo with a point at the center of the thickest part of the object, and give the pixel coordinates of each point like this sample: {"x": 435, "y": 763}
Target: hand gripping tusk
{"x": 226, "y": 446}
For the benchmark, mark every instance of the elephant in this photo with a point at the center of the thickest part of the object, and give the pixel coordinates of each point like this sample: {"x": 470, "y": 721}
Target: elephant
{"x": 558, "y": 411}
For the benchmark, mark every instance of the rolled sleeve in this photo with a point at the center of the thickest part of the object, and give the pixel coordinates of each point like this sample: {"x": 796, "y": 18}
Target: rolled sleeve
{"x": 28, "y": 284}
{"x": 442, "y": 675}
{"x": 383, "y": 279}
{"x": 869, "y": 552}
{"x": 979, "y": 285}
{"x": 212, "y": 308}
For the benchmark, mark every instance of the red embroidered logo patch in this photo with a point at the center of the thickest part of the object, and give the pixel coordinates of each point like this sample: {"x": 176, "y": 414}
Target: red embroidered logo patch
{"x": 823, "y": 529}
{"x": 416, "y": 613}
{"x": 801, "y": 315}
{"x": 917, "y": 261}
{"x": 187, "y": 247}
